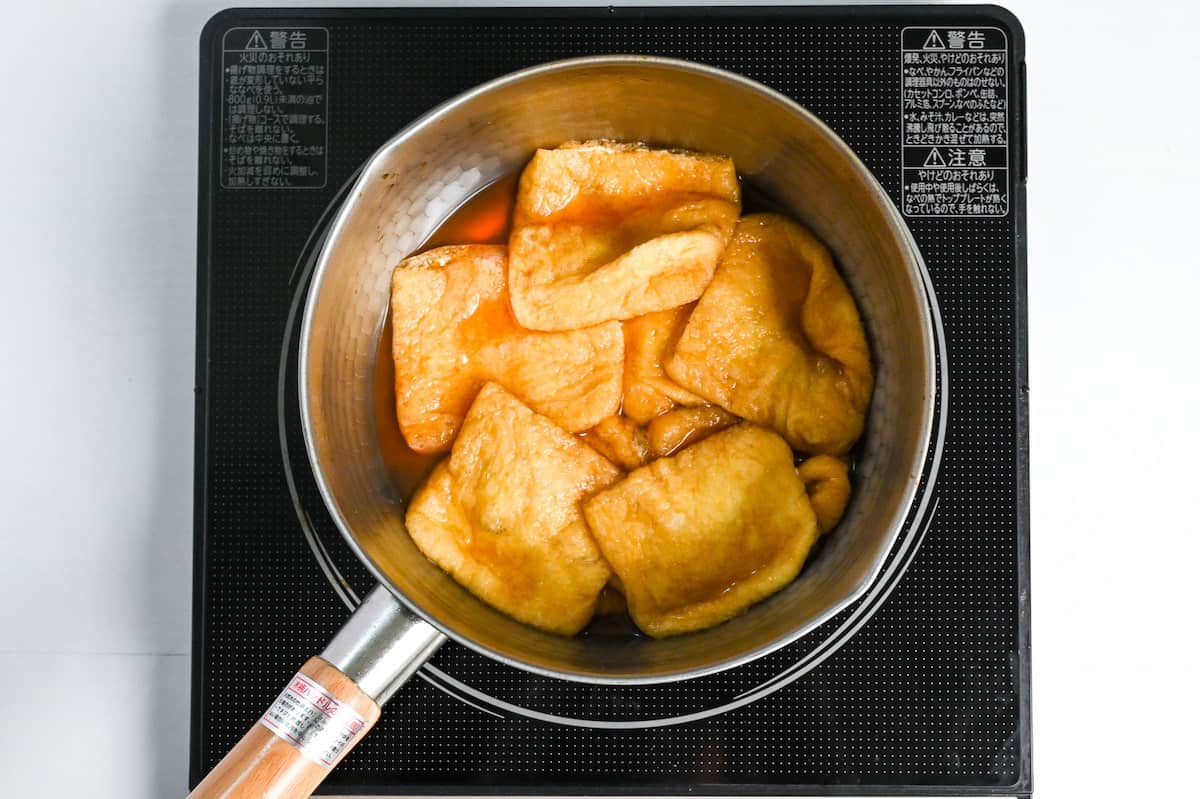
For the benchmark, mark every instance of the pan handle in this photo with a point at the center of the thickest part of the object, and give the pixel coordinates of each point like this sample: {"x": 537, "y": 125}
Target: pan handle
{"x": 328, "y": 706}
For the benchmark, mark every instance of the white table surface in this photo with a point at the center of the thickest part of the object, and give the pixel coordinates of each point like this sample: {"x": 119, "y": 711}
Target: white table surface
{"x": 97, "y": 230}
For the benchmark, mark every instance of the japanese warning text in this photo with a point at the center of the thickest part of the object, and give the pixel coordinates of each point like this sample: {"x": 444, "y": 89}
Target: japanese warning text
{"x": 954, "y": 135}
{"x": 275, "y": 108}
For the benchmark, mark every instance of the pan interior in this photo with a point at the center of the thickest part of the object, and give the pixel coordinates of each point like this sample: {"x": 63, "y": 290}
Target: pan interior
{"x": 415, "y": 181}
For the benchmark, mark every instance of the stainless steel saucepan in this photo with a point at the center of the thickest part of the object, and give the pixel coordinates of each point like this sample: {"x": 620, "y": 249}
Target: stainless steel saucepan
{"x": 404, "y": 192}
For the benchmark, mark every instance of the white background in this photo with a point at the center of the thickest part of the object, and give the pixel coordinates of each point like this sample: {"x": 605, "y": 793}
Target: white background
{"x": 97, "y": 252}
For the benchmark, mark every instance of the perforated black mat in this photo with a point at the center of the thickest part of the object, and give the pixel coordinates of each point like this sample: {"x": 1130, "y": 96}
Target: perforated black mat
{"x": 921, "y": 687}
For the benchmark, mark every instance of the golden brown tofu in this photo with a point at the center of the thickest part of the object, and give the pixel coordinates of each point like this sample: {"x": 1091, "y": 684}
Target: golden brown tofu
{"x": 502, "y": 514}
{"x": 777, "y": 340}
{"x": 649, "y": 339}
{"x": 452, "y": 330}
{"x": 605, "y": 230}
{"x": 684, "y": 427}
{"x": 620, "y": 440}
{"x": 699, "y": 537}
{"x": 827, "y": 481}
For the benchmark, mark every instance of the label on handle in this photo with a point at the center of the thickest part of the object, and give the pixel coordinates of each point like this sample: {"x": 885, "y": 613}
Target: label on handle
{"x": 313, "y": 720}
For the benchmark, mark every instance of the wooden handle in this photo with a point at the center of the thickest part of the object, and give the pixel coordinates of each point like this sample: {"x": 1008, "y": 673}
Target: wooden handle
{"x": 311, "y": 726}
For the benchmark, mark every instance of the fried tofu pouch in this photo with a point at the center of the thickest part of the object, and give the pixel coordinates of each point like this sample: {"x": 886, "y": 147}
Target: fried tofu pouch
{"x": 453, "y": 330}
{"x": 605, "y": 230}
{"x": 827, "y": 481}
{"x": 698, "y": 537}
{"x": 621, "y": 441}
{"x": 776, "y": 339}
{"x": 502, "y": 514}
{"x": 682, "y": 427}
{"x": 649, "y": 339}
{"x": 629, "y": 446}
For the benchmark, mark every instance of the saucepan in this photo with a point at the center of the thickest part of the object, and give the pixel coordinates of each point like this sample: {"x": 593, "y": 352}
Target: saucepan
{"x": 405, "y": 191}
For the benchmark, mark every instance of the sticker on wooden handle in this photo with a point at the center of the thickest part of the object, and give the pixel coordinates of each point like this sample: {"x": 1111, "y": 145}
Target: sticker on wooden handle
{"x": 313, "y": 720}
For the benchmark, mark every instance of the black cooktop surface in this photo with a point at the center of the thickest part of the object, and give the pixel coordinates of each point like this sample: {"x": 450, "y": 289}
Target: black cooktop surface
{"x": 920, "y": 687}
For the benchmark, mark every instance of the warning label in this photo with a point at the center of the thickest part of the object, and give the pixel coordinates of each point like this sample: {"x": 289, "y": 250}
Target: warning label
{"x": 954, "y": 126}
{"x": 274, "y": 108}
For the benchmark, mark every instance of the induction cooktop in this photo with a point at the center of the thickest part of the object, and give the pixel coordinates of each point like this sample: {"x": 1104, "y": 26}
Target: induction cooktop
{"x": 921, "y": 687}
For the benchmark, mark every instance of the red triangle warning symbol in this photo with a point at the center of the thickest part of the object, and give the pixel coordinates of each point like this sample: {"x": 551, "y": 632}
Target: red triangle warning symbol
{"x": 935, "y": 158}
{"x": 934, "y": 42}
{"x": 256, "y": 42}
